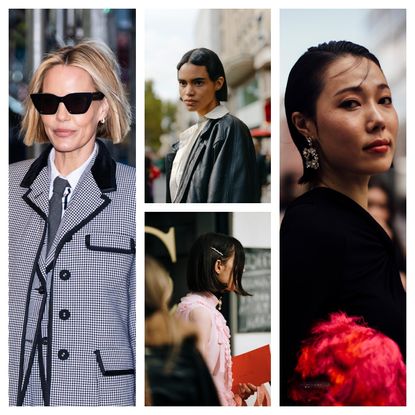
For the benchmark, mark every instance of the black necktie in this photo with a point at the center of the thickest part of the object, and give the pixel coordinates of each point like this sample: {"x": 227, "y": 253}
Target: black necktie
{"x": 55, "y": 208}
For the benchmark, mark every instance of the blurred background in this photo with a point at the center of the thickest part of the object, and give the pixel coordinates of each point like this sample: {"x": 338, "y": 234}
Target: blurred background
{"x": 35, "y": 32}
{"x": 242, "y": 39}
{"x": 169, "y": 238}
{"x": 383, "y": 32}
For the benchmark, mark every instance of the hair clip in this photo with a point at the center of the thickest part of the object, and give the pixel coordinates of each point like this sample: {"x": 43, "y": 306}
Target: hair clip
{"x": 218, "y": 252}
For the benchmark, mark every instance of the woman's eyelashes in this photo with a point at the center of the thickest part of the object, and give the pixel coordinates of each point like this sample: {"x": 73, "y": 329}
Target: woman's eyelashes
{"x": 386, "y": 100}
{"x": 354, "y": 103}
{"x": 349, "y": 104}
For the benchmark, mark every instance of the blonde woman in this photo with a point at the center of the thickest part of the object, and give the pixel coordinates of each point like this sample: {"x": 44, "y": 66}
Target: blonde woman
{"x": 176, "y": 373}
{"x": 72, "y": 239}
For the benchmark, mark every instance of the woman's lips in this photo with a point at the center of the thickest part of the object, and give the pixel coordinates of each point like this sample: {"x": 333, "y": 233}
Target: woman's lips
{"x": 378, "y": 149}
{"x": 378, "y": 146}
{"x": 63, "y": 132}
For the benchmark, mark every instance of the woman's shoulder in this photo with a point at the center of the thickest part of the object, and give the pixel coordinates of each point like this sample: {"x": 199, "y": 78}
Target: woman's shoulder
{"x": 319, "y": 211}
{"x": 126, "y": 180}
{"x": 309, "y": 203}
{"x": 126, "y": 171}
{"x": 230, "y": 120}
{"x": 18, "y": 170}
{"x": 20, "y": 166}
{"x": 195, "y": 300}
{"x": 323, "y": 200}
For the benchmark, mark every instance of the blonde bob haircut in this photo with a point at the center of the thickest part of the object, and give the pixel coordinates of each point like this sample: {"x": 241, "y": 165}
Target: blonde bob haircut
{"x": 99, "y": 61}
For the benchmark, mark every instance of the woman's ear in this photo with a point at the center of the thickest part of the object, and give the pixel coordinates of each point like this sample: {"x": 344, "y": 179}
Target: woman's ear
{"x": 218, "y": 266}
{"x": 219, "y": 83}
{"x": 104, "y": 109}
{"x": 305, "y": 125}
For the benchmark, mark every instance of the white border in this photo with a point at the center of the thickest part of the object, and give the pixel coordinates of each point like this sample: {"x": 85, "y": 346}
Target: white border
{"x": 273, "y": 207}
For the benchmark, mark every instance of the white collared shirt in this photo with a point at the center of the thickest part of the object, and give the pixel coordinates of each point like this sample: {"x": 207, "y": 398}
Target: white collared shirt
{"x": 187, "y": 140}
{"x": 72, "y": 178}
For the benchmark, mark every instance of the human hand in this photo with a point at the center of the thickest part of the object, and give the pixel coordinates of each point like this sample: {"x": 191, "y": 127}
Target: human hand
{"x": 245, "y": 390}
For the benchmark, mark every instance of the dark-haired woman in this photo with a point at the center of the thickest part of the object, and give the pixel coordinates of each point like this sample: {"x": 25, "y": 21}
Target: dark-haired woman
{"x": 214, "y": 160}
{"x": 216, "y": 264}
{"x": 334, "y": 254}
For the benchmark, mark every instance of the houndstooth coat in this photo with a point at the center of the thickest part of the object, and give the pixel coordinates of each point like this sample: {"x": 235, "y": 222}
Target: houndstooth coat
{"x": 72, "y": 314}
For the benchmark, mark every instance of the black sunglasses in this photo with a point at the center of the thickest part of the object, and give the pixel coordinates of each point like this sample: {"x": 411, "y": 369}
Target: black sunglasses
{"x": 76, "y": 103}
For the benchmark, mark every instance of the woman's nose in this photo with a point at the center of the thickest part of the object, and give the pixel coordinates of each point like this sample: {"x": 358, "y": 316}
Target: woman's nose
{"x": 375, "y": 117}
{"x": 62, "y": 113}
{"x": 189, "y": 90}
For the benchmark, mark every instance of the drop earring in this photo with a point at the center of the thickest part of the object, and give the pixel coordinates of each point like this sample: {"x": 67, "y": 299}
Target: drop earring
{"x": 310, "y": 155}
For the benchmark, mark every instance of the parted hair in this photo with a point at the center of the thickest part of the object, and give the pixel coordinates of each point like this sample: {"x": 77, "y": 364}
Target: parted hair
{"x": 208, "y": 249}
{"x": 214, "y": 68}
{"x": 99, "y": 61}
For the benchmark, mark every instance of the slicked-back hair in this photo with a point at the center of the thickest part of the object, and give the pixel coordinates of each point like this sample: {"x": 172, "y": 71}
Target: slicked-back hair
{"x": 100, "y": 63}
{"x": 306, "y": 82}
{"x": 208, "y": 249}
{"x": 214, "y": 68}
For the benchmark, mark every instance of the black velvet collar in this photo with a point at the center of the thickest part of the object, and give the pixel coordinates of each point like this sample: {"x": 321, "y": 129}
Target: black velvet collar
{"x": 103, "y": 169}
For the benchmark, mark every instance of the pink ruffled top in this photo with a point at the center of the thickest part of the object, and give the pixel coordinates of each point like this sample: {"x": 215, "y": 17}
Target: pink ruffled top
{"x": 217, "y": 352}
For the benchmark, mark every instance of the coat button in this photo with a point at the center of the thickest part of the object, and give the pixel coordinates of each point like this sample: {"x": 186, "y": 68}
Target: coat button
{"x": 63, "y": 354}
{"x": 41, "y": 290}
{"x": 64, "y": 314}
{"x": 64, "y": 275}
{"x": 44, "y": 340}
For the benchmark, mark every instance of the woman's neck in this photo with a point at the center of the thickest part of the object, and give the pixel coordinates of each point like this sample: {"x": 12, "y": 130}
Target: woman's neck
{"x": 68, "y": 161}
{"x": 355, "y": 187}
{"x": 206, "y": 110}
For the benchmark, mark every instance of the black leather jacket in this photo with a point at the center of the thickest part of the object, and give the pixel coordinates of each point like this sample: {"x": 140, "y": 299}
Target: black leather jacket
{"x": 221, "y": 166}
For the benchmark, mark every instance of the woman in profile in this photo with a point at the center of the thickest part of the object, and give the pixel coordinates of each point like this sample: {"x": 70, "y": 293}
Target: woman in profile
{"x": 334, "y": 254}
{"x": 214, "y": 160}
{"x": 216, "y": 263}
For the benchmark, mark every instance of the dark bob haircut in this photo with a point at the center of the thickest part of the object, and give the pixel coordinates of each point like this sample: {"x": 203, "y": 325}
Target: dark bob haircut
{"x": 306, "y": 82}
{"x": 214, "y": 67}
{"x": 204, "y": 253}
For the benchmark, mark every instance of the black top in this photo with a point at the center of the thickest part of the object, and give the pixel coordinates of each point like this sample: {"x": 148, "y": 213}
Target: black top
{"x": 335, "y": 257}
{"x": 179, "y": 378}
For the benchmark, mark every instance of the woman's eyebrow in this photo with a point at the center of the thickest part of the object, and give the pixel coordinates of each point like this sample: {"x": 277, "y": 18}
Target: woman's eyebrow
{"x": 359, "y": 89}
{"x": 192, "y": 80}
{"x": 198, "y": 79}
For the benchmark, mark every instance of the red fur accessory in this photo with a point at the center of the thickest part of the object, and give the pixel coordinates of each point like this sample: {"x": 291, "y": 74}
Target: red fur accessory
{"x": 347, "y": 363}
